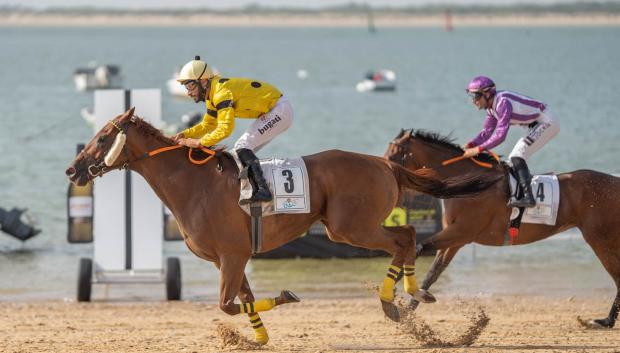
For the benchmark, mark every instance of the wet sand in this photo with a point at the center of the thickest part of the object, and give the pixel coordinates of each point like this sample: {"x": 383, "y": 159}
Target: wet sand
{"x": 517, "y": 324}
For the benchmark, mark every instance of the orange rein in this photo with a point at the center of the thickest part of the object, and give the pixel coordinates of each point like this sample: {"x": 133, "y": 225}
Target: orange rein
{"x": 482, "y": 164}
{"x": 189, "y": 154}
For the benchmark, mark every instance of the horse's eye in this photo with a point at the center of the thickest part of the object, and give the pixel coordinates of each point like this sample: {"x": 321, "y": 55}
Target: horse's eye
{"x": 101, "y": 140}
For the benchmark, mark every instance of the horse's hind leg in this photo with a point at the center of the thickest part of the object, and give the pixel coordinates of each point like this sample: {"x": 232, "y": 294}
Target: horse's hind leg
{"x": 410, "y": 282}
{"x": 608, "y": 251}
{"x": 611, "y": 262}
{"x": 610, "y": 320}
{"x": 397, "y": 241}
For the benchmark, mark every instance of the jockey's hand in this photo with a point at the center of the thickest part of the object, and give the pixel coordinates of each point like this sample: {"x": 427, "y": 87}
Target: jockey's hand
{"x": 471, "y": 152}
{"x": 193, "y": 143}
{"x": 177, "y": 137}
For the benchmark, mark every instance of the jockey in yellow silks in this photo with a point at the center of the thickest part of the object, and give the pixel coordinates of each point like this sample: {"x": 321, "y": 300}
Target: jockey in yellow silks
{"x": 227, "y": 98}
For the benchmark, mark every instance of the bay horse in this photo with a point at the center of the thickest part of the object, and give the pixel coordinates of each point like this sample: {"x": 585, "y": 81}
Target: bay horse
{"x": 351, "y": 194}
{"x": 589, "y": 201}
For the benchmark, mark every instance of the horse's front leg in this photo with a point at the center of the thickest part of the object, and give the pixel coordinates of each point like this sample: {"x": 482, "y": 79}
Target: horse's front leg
{"x": 246, "y": 296}
{"x": 455, "y": 235}
{"x": 442, "y": 260}
{"x": 232, "y": 279}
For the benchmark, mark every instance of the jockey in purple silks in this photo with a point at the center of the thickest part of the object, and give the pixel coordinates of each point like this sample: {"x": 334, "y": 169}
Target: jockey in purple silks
{"x": 503, "y": 109}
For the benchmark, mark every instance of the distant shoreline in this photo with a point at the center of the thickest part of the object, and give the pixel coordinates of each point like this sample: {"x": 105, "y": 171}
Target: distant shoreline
{"x": 306, "y": 20}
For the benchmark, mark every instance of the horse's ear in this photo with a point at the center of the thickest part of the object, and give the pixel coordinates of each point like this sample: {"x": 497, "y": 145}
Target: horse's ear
{"x": 411, "y": 133}
{"x": 400, "y": 134}
{"x": 130, "y": 112}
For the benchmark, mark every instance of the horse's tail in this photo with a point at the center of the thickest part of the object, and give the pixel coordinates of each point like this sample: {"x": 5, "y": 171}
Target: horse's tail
{"x": 425, "y": 180}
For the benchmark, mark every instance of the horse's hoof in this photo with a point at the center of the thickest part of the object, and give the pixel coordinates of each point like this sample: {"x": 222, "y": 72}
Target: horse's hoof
{"x": 261, "y": 339}
{"x": 289, "y": 297}
{"x": 391, "y": 311}
{"x": 599, "y": 323}
{"x": 413, "y": 304}
{"x": 424, "y": 296}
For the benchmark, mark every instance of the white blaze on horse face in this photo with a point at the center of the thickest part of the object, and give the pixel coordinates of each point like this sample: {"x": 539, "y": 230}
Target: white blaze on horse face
{"x": 116, "y": 149}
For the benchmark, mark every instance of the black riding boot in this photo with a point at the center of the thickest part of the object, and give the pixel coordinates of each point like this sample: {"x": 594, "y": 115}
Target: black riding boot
{"x": 261, "y": 191}
{"x": 524, "y": 178}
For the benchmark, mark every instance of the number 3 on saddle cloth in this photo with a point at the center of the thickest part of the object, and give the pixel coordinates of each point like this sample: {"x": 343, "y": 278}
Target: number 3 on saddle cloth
{"x": 546, "y": 190}
{"x": 288, "y": 181}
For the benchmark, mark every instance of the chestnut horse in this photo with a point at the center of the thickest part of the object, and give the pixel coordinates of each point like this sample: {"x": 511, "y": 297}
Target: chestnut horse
{"x": 351, "y": 194}
{"x": 589, "y": 201}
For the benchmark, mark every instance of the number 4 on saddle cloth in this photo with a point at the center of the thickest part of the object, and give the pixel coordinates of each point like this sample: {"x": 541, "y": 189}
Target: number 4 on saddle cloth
{"x": 546, "y": 190}
{"x": 288, "y": 182}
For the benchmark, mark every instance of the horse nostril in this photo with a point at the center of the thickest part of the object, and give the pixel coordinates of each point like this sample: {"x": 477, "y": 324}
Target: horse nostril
{"x": 70, "y": 171}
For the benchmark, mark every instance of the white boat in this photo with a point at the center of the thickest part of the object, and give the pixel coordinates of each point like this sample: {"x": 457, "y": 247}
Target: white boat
{"x": 175, "y": 88}
{"x": 88, "y": 114}
{"x": 381, "y": 80}
{"x": 97, "y": 77}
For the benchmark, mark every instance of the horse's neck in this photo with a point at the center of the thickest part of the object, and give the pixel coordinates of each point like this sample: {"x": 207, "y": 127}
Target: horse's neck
{"x": 433, "y": 157}
{"x": 176, "y": 181}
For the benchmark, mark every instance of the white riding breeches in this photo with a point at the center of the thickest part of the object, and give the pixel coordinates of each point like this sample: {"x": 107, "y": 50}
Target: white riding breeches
{"x": 266, "y": 127}
{"x": 537, "y": 136}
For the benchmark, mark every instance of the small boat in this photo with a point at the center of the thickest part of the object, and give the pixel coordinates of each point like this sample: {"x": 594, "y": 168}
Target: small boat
{"x": 381, "y": 80}
{"x": 88, "y": 114}
{"x": 97, "y": 77}
{"x": 175, "y": 88}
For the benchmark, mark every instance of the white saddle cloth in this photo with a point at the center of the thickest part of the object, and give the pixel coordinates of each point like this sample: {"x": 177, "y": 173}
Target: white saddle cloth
{"x": 546, "y": 190}
{"x": 288, "y": 181}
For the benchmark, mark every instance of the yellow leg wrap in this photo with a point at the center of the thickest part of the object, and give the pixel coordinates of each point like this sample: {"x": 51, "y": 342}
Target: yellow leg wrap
{"x": 259, "y": 305}
{"x": 411, "y": 285}
{"x": 260, "y": 333}
{"x": 387, "y": 290}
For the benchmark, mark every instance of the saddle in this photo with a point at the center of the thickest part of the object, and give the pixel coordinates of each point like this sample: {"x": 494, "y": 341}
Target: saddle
{"x": 288, "y": 182}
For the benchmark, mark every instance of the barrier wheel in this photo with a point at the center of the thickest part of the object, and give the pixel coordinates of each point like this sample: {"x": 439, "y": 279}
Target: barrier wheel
{"x": 85, "y": 276}
{"x": 173, "y": 278}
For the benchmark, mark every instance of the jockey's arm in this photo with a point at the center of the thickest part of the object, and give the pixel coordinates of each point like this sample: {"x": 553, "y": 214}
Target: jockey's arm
{"x": 504, "y": 112}
{"x": 487, "y": 129}
{"x": 207, "y": 125}
{"x": 223, "y": 102}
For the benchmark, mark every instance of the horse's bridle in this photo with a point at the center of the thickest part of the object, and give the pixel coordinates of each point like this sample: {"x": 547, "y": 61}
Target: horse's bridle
{"x": 99, "y": 168}
{"x": 402, "y": 148}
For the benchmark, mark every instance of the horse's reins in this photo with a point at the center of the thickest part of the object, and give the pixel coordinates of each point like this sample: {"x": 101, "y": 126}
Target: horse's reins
{"x": 482, "y": 164}
{"x": 101, "y": 167}
{"x": 152, "y": 153}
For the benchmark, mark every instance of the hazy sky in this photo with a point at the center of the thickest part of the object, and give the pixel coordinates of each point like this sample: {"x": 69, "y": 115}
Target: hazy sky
{"x": 240, "y": 3}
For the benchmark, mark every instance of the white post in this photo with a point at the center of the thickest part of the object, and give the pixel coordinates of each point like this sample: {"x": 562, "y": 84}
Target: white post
{"x": 128, "y": 227}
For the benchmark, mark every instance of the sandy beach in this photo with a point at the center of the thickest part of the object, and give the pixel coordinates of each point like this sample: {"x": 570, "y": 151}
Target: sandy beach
{"x": 316, "y": 20}
{"x": 489, "y": 324}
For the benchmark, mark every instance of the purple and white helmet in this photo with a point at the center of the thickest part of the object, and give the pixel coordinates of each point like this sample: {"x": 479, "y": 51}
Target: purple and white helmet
{"x": 481, "y": 84}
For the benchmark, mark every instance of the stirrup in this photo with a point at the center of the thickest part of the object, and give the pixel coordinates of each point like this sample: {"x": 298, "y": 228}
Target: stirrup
{"x": 262, "y": 195}
{"x": 523, "y": 202}
{"x": 257, "y": 197}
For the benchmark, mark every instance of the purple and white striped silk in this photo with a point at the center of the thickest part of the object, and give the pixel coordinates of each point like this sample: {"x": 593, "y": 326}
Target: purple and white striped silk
{"x": 509, "y": 108}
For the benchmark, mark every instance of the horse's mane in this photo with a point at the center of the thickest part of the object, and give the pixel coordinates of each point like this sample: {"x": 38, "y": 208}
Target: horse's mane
{"x": 445, "y": 142}
{"x": 146, "y": 128}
